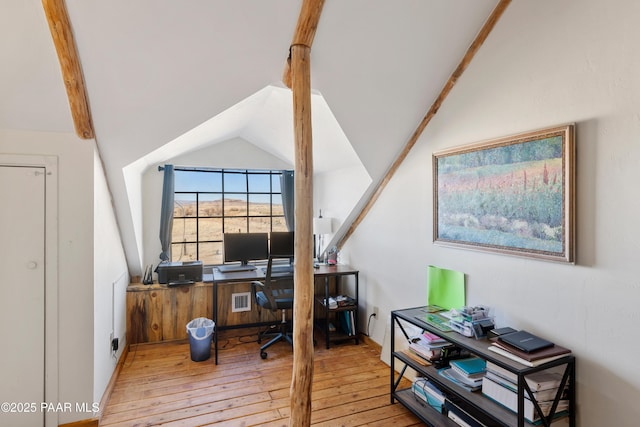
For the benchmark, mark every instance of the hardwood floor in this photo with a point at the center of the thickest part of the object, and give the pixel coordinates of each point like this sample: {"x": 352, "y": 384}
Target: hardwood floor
{"x": 160, "y": 385}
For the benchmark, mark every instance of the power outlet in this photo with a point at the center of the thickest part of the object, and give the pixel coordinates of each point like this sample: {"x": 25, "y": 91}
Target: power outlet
{"x": 114, "y": 345}
{"x": 375, "y": 311}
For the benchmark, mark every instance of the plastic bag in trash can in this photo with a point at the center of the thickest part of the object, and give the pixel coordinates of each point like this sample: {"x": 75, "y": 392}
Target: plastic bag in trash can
{"x": 200, "y": 328}
{"x": 200, "y": 332}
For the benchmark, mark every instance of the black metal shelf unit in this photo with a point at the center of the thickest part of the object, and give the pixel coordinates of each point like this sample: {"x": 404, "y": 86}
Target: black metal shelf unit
{"x": 327, "y": 314}
{"x": 473, "y": 402}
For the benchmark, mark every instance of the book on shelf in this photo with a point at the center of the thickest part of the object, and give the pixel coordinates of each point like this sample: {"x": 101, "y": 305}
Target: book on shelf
{"x": 429, "y": 354}
{"x": 352, "y": 323}
{"x": 418, "y": 359}
{"x": 525, "y": 341}
{"x": 432, "y": 339}
{"x": 540, "y": 395}
{"x": 554, "y": 350}
{"x": 509, "y": 399}
{"x": 537, "y": 381}
{"x": 460, "y": 380}
{"x": 431, "y": 351}
{"x": 347, "y": 322}
{"x": 453, "y": 416}
{"x": 424, "y": 340}
{"x": 472, "y": 367}
{"x": 426, "y": 391}
{"x": 463, "y": 417}
{"x": 531, "y": 363}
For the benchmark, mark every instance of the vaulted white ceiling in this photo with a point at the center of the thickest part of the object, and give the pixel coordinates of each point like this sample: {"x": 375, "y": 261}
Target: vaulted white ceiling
{"x": 156, "y": 69}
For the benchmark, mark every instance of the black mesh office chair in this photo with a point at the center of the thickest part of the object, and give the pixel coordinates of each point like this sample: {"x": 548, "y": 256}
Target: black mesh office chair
{"x": 275, "y": 293}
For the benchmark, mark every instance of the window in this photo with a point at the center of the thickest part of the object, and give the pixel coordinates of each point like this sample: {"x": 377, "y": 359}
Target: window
{"x": 210, "y": 202}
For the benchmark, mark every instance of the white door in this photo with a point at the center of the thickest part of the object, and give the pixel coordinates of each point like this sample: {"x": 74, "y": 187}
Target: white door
{"x": 22, "y": 280}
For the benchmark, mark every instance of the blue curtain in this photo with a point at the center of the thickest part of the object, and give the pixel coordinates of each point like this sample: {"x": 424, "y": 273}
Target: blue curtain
{"x": 287, "y": 187}
{"x": 166, "y": 212}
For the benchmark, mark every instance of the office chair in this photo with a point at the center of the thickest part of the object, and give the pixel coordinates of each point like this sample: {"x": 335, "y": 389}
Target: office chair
{"x": 275, "y": 293}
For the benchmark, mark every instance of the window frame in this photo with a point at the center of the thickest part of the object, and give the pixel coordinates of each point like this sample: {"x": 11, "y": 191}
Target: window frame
{"x": 245, "y": 216}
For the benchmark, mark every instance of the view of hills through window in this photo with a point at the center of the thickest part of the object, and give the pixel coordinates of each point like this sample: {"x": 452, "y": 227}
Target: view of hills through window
{"x": 210, "y": 202}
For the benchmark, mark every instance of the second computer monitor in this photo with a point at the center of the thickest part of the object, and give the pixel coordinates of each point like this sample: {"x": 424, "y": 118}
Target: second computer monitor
{"x": 282, "y": 243}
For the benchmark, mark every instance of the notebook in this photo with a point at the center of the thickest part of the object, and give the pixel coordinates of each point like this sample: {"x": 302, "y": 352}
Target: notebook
{"x": 525, "y": 341}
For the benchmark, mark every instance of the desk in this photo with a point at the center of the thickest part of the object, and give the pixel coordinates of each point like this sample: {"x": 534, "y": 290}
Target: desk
{"x": 324, "y": 271}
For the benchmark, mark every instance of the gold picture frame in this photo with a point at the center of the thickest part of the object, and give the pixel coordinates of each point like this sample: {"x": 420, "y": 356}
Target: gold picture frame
{"x": 513, "y": 195}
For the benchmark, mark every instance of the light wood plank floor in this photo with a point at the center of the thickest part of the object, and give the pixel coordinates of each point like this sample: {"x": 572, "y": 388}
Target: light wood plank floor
{"x": 160, "y": 385}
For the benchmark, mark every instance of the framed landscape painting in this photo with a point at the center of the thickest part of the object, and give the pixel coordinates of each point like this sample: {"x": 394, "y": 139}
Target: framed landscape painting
{"x": 514, "y": 195}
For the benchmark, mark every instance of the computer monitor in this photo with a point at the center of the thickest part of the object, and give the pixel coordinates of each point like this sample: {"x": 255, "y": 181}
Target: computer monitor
{"x": 282, "y": 244}
{"x": 245, "y": 247}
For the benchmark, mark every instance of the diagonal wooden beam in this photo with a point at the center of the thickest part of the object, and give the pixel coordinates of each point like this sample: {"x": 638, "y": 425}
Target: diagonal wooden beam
{"x": 60, "y": 27}
{"x": 462, "y": 66}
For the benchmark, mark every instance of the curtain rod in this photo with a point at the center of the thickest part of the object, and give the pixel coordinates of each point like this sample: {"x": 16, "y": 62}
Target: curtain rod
{"x": 205, "y": 169}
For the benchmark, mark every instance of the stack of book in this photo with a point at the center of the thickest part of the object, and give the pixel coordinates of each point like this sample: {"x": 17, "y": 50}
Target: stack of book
{"x": 428, "y": 346}
{"x": 428, "y": 393}
{"x": 500, "y": 385}
{"x": 467, "y": 372}
{"x": 527, "y": 349}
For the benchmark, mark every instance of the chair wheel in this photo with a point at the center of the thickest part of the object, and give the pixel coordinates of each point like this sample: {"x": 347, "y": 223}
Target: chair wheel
{"x": 263, "y": 354}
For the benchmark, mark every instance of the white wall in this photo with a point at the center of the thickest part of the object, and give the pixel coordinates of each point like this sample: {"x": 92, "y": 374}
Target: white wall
{"x": 111, "y": 278}
{"x": 546, "y": 63}
{"x": 337, "y": 194}
{"x": 74, "y": 310}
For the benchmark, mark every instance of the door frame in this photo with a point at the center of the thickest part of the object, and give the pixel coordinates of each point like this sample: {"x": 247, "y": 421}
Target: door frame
{"x": 50, "y": 165}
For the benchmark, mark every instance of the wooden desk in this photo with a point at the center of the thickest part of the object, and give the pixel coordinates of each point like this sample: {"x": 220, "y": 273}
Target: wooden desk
{"x": 324, "y": 271}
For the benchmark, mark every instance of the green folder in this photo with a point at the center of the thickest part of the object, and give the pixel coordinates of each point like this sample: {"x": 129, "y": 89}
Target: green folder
{"x": 446, "y": 288}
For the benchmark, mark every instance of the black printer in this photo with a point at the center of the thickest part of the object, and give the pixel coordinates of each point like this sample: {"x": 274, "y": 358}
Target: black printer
{"x": 179, "y": 273}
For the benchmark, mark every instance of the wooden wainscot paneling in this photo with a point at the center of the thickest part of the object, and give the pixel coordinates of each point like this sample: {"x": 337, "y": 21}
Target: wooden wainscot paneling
{"x": 160, "y": 313}
{"x": 228, "y": 318}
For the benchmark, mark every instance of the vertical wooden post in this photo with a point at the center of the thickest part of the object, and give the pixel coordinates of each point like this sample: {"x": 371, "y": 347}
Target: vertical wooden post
{"x": 302, "y": 375}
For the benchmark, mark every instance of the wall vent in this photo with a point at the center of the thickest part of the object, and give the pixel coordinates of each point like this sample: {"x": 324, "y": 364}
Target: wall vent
{"x": 241, "y": 302}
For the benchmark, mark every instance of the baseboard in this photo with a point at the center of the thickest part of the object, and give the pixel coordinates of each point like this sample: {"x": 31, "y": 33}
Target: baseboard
{"x": 112, "y": 382}
{"x": 371, "y": 343}
{"x": 92, "y": 422}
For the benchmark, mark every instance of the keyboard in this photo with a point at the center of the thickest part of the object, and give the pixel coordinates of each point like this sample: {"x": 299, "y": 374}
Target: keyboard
{"x": 279, "y": 269}
{"x": 235, "y": 268}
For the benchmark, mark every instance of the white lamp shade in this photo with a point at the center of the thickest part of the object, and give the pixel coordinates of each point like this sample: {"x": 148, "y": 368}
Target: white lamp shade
{"x": 322, "y": 225}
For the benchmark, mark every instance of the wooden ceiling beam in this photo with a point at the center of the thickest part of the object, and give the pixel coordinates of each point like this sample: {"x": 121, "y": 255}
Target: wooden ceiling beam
{"x": 60, "y": 27}
{"x": 462, "y": 66}
{"x": 305, "y": 31}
